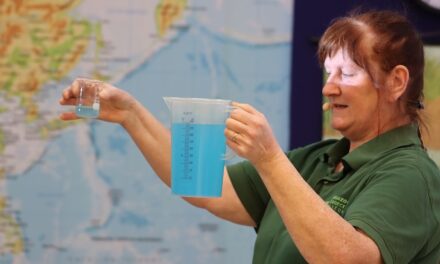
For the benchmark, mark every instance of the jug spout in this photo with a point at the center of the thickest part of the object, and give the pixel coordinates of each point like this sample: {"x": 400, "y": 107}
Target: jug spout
{"x": 168, "y": 102}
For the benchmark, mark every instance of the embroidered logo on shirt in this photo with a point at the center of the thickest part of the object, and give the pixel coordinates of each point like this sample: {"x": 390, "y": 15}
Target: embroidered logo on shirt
{"x": 338, "y": 204}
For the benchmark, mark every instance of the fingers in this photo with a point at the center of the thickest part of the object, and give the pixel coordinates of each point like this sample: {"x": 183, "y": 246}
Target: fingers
{"x": 68, "y": 116}
{"x": 236, "y": 132}
{"x": 240, "y": 117}
{"x": 245, "y": 124}
{"x": 243, "y": 113}
{"x": 70, "y": 94}
{"x": 66, "y": 97}
{"x": 246, "y": 107}
{"x": 236, "y": 125}
{"x": 236, "y": 141}
{"x": 249, "y": 134}
{"x": 244, "y": 117}
{"x": 68, "y": 101}
{"x": 232, "y": 135}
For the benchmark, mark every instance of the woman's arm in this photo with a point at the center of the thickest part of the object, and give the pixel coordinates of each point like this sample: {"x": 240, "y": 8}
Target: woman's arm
{"x": 321, "y": 235}
{"x": 154, "y": 142}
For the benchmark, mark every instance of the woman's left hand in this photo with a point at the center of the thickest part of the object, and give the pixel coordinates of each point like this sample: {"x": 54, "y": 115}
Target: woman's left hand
{"x": 250, "y": 136}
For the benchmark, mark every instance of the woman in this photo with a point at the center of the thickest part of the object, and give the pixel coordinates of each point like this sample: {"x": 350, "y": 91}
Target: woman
{"x": 370, "y": 197}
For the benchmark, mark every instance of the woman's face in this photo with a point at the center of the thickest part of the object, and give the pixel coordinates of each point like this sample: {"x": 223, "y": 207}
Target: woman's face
{"x": 353, "y": 98}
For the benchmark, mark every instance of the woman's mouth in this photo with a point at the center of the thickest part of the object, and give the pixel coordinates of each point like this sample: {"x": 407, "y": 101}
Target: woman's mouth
{"x": 339, "y": 106}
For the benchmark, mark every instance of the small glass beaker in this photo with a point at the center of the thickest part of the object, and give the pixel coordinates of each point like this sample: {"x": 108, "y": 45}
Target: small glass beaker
{"x": 88, "y": 100}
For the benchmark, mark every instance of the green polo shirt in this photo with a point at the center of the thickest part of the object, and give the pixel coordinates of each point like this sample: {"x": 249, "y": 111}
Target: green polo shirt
{"x": 389, "y": 188}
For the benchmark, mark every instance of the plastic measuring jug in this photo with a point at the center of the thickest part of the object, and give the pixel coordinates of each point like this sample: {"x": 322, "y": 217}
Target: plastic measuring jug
{"x": 198, "y": 145}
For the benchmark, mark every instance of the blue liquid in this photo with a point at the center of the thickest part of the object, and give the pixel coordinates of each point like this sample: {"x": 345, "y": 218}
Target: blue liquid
{"x": 197, "y": 159}
{"x": 86, "y": 111}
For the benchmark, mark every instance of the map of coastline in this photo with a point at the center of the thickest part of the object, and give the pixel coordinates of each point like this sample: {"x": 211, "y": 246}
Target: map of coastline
{"x": 65, "y": 195}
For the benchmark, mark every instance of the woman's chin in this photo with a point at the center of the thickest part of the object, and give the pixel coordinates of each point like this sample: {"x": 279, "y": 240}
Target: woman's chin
{"x": 339, "y": 126}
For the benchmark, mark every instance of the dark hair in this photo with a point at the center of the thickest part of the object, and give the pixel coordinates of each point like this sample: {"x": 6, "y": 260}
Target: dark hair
{"x": 383, "y": 38}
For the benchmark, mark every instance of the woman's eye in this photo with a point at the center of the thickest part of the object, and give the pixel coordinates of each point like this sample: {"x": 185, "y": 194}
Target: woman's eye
{"x": 347, "y": 74}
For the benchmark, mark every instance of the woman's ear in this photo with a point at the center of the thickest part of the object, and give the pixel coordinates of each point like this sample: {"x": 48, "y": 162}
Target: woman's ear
{"x": 397, "y": 82}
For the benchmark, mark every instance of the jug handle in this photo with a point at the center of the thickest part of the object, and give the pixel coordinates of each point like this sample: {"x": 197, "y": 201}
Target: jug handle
{"x": 230, "y": 154}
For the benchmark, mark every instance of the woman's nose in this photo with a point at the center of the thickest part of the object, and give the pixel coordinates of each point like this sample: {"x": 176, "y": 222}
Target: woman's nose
{"x": 331, "y": 89}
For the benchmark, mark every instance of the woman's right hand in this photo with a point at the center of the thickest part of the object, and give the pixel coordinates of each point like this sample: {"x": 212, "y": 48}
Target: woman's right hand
{"x": 115, "y": 104}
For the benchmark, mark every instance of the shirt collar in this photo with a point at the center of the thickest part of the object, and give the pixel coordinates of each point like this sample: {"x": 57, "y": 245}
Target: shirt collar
{"x": 398, "y": 137}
